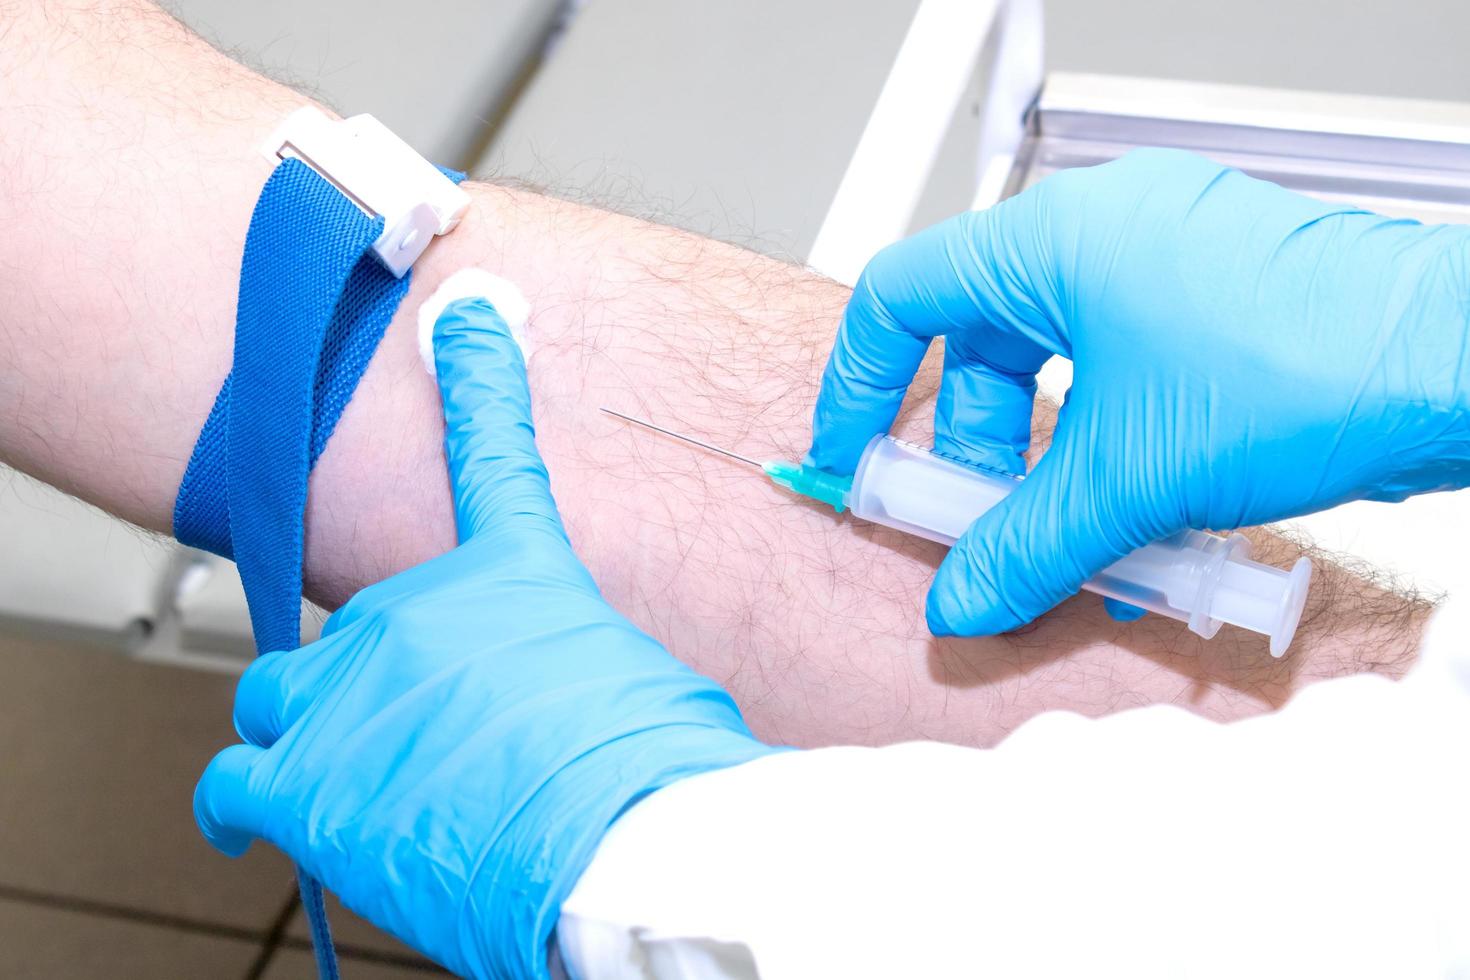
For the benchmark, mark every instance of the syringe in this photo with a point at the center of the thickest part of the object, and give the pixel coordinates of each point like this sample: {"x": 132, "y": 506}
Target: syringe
{"x": 1199, "y": 578}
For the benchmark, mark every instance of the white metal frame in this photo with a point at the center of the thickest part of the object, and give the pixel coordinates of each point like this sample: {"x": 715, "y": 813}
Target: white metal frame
{"x": 881, "y": 188}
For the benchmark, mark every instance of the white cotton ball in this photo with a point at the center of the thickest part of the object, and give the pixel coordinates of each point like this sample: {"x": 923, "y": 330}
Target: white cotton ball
{"x": 466, "y": 284}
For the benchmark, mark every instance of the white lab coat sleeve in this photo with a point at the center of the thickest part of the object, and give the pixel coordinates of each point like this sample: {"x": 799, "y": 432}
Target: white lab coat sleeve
{"x": 1330, "y": 839}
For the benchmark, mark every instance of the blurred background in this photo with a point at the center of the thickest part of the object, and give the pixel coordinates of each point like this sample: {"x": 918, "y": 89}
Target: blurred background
{"x": 118, "y": 649}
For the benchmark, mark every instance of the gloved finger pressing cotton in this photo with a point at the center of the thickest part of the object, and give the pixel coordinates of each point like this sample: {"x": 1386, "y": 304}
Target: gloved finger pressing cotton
{"x": 449, "y": 757}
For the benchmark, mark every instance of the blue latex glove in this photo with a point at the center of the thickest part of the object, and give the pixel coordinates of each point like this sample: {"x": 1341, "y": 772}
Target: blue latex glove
{"x": 448, "y": 756}
{"x": 1242, "y": 354}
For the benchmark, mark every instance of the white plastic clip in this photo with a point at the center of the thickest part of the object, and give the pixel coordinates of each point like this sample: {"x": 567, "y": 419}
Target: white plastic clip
{"x": 379, "y": 173}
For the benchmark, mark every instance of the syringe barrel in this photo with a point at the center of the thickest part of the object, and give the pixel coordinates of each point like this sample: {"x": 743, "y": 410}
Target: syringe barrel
{"x": 1202, "y": 579}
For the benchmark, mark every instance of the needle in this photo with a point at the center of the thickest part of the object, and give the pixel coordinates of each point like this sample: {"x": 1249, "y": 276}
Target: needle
{"x": 683, "y": 438}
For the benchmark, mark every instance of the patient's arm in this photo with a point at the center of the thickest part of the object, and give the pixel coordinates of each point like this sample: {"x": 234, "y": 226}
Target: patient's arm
{"x": 130, "y": 175}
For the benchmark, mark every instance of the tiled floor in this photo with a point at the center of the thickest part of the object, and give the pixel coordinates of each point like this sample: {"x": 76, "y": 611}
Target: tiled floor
{"x": 37, "y": 941}
{"x": 102, "y": 872}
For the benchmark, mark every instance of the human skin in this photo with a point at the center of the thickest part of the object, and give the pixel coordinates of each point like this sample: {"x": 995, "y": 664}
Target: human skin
{"x": 128, "y": 147}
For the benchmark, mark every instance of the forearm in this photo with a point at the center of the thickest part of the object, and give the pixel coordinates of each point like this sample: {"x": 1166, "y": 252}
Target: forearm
{"x": 130, "y": 175}
{"x": 133, "y": 172}
{"x": 815, "y": 622}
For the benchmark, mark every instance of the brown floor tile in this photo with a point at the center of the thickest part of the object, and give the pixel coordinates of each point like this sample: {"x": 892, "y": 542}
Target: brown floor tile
{"x": 39, "y": 943}
{"x": 293, "y": 964}
{"x": 98, "y": 760}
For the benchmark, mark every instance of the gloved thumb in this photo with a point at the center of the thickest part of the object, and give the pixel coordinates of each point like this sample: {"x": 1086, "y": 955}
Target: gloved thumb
{"x": 1030, "y": 551}
{"x": 230, "y": 802}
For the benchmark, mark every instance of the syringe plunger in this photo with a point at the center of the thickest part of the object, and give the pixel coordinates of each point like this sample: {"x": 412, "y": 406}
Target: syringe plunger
{"x": 1202, "y": 579}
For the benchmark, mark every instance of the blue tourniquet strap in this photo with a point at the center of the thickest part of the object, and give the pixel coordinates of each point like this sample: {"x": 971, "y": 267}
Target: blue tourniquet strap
{"x": 313, "y": 305}
{"x": 306, "y": 245}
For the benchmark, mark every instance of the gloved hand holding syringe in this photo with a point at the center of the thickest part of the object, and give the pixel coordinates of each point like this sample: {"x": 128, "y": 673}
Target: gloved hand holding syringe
{"x": 1241, "y": 355}
{"x": 1199, "y": 578}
